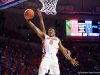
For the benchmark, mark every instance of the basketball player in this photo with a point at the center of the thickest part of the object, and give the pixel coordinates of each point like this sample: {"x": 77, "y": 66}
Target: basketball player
{"x": 51, "y": 45}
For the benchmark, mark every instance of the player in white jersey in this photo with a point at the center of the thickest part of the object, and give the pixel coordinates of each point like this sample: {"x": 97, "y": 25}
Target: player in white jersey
{"x": 51, "y": 45}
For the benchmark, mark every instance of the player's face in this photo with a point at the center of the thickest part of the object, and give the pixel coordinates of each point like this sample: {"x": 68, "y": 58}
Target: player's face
{"x": 51, "y": 32}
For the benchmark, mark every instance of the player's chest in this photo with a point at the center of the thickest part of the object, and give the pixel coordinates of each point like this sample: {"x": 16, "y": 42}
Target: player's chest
{"x": 52, "y": 41}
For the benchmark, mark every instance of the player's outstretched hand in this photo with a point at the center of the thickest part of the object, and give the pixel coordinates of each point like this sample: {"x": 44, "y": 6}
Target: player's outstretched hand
{"x": 74, "y": 62}
{"x": 26, "y": 17}
{"x": 29, "y": 14}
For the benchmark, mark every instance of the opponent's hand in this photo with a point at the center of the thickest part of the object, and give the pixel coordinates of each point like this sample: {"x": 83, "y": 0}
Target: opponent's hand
{"x": 39, "y": 12}
{"x": 74, "y": 62}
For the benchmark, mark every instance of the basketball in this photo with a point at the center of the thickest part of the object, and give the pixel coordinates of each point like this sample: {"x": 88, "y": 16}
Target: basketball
{"x": 29, "y": 14}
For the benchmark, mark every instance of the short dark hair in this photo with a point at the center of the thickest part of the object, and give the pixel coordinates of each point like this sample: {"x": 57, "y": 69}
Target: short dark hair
{"x": 51, "y": 27}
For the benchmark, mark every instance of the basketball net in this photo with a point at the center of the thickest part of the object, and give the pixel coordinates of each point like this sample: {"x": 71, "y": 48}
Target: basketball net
{"x": 49, "y": 6}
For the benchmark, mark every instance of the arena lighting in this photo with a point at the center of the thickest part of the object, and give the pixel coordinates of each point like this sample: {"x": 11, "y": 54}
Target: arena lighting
{"x": 4, "y": 4}
{"x": 76, "y": 27}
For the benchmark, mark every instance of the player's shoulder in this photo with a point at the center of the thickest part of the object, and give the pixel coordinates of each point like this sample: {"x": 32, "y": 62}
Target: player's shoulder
{"x": 46, "y": 35}
{"x": 57, "y": 38}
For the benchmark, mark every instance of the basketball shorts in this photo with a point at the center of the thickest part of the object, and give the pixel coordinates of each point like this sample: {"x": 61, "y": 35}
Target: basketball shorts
{"x": 49, "y": 62}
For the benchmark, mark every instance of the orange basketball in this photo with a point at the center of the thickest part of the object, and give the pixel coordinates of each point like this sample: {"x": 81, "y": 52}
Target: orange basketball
{"x": 29, "y": 14}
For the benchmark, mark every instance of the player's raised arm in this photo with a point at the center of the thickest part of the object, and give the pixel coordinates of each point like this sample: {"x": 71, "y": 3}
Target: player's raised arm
{"x": 32, "y": 25}
{"x": 67, "y": 54}
{"x": 41, "y": 20}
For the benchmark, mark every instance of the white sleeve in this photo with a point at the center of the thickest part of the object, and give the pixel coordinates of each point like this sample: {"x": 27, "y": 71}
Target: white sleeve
{"x": 58, "y": 40}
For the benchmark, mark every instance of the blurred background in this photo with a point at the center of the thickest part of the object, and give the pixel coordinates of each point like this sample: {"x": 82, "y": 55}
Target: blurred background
{"x": 78, "y": 26}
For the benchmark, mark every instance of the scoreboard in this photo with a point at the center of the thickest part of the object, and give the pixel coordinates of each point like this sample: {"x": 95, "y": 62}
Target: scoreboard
{"x": 82, "y": 28}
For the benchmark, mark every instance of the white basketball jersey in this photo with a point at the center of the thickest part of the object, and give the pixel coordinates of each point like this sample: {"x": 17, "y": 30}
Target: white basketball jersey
{"x": 50, "y": 45}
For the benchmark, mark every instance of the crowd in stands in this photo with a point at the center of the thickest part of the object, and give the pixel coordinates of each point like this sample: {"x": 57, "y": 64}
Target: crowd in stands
{"x": 23, "y": 58}
{"x": 17, "y": 60}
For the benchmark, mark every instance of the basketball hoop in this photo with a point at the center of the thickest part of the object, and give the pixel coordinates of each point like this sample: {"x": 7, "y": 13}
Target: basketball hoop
{"x": 49, "y": 6}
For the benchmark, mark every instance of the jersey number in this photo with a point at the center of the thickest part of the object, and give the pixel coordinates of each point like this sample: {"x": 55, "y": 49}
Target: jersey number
{"x": 51, "y": 42}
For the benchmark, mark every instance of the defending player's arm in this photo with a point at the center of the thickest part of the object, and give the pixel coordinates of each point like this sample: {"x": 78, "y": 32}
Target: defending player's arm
{"x": 67, "y": 54}
{"x": 41, "y": 21}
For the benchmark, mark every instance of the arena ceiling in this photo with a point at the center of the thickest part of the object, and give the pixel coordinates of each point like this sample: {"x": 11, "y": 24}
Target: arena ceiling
{"x": 63, "y": 7}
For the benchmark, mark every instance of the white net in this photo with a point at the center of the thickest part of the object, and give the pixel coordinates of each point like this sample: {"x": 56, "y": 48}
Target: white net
{"x": 49, "y": 6}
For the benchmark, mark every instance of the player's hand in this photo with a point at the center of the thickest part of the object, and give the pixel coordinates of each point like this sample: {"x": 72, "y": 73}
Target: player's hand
{"x": 26, "y": 17}
{"x": 74, "y": 62}
{"x": 39, "y": 12}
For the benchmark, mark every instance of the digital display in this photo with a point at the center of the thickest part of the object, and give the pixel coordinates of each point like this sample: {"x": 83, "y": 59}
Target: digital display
{"x": 82, "y": 28}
